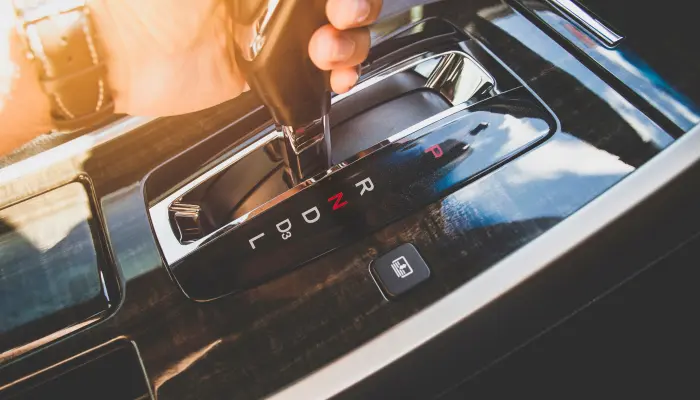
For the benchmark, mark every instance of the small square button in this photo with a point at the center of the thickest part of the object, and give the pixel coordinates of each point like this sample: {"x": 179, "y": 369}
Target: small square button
{"x": 400, "y": 270}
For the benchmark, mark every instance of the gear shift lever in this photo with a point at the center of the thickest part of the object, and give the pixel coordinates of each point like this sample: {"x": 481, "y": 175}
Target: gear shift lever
{"x": 275, "y": 61}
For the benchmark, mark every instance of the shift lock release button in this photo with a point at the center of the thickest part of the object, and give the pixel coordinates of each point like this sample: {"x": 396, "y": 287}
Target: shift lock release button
{"x": 400, "y": 270}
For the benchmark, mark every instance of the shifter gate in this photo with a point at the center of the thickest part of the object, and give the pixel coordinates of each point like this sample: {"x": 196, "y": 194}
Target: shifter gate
{"x": 386, "y": 182}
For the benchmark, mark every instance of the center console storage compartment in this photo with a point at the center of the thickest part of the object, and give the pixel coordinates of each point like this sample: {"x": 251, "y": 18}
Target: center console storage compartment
{"x": 110, "y": 372}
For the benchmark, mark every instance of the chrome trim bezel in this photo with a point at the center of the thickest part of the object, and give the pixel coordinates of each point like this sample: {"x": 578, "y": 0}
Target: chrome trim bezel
{"x": 588, "y": 21}
{"x": 174, "y": 251}
{"x": 171, "y": 248}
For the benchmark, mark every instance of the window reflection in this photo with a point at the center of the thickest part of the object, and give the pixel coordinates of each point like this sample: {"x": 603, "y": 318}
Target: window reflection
{"x": 532, "y": 37}
{"x": 48, "y": 263}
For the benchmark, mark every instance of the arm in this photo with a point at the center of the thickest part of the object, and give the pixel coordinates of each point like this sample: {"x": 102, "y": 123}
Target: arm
{"x": 151, "y": 61}
{"x": 168, "y": 57}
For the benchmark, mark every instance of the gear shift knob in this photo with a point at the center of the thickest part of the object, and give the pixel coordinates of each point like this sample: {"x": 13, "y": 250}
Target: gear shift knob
{"x": 275, "y": 60}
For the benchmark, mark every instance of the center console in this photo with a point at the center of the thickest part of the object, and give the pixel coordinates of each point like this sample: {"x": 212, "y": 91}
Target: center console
{"x": 417, "y": 128}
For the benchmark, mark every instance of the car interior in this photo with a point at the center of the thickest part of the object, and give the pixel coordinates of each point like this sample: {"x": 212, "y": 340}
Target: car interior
{"x": 512, "y": 209}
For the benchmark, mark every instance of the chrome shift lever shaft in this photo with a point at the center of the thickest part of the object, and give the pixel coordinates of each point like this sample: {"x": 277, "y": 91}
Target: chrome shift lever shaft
{"x": 275, "y": 60}
{"x": 307, "y": 149}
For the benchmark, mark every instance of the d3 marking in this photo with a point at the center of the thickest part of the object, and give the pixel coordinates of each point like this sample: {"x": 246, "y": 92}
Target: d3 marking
{"x": 284, "y": 228}
{"x": 313, "y": 214}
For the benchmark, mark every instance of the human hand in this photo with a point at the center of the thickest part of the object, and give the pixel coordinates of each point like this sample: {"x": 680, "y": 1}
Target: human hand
{"x": 172, "y": 57}
{"x": 344, "y": 43}
{"x": 168, "y": 57}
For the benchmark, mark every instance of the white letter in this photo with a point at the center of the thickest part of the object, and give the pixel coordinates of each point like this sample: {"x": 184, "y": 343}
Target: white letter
{"x": 311, "y": 221}
{"x": 367, "y": 185}
{"x": 285, "y": 232}
{"x": 254, "y": 239}
{"x": 289, "y": 225}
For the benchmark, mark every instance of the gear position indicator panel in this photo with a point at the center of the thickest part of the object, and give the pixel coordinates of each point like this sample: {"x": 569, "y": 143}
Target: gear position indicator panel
{"x": 404, "y": 175}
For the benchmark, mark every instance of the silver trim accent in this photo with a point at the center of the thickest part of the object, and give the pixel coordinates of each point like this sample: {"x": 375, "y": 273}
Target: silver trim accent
{"x": 408, "y": 64}
{"x": 174, "y": 251}
{"x": 591, "y": 23}
{"x": 500, "y": 278}
{"x": 187, "y": 220}
{"x": 300, "y": 142}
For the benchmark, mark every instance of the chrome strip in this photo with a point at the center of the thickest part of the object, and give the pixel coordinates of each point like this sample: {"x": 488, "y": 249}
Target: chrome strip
{"x": 500, "y": 278}
{"x": 595, "y": 26}
{"x": 405, "y": 65}
{"x": 72, "y": 148}
{"x": 173, "y": 251}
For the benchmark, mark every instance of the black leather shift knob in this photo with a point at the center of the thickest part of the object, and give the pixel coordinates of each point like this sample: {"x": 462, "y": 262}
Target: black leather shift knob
{"x": 276, "y": 63}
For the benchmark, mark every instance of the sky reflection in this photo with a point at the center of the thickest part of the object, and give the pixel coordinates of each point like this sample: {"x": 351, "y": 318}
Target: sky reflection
{"x": 551, "y": 181}
{"x": 532, "y": 37}
{"x": 632, "y": 70}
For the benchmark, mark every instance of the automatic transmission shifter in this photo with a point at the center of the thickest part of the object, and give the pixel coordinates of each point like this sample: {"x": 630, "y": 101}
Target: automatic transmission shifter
{"x": 423, "y": 125}
{"x": 275, "y": 61}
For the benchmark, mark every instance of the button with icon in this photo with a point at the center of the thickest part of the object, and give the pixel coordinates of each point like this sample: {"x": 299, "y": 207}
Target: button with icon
{"x": 399, "y": 270}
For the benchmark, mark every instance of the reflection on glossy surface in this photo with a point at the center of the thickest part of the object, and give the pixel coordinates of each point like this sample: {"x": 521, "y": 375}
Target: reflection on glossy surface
{"x": 530, "y": 36}
{"x": 458, "y": 78}
{"x": 49, "y": 265}
{"x": 628, "y": 67}
{"x": 183, "y": 364}
{"x": 226, "y": 200}
{"x": 552, "y": 183}
{"x": 596, "y": 27}
{"x": 454, "y": 74}
{"x": 124, "y": 212}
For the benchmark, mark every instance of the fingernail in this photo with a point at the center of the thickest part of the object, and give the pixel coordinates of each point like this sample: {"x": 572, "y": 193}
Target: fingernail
{"x": 361, "y": 10}
{"x": 343, "y": 49}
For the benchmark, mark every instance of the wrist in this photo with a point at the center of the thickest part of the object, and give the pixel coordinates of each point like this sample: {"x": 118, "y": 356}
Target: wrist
{"x": 166, "y": 59}
{"x": 106, "y": 15}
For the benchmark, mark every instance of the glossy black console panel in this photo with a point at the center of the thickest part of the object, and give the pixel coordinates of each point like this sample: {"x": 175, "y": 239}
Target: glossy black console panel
{"x": 55, "y": 272}
{"x": 369, "y": 193}
{"x": 642, "y": 64}
{"x": 636, "y": 337}
{"x": 667, "y": 48}
{"x": 373, "y": 126}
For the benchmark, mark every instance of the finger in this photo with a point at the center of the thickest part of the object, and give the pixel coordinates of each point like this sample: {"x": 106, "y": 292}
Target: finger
{"x": 343, "y": 79}
{"x": 330, "y": 48}
{"x": 346, "y": 14}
